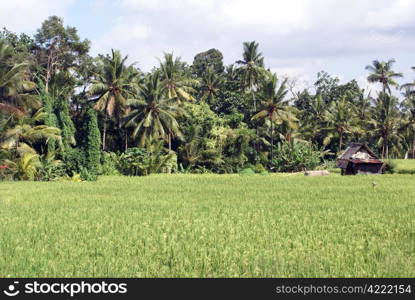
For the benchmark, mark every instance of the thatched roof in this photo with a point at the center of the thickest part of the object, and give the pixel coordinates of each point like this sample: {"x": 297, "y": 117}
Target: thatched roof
{"x": 357, "y": 153}
{"x": 355, "y": 148}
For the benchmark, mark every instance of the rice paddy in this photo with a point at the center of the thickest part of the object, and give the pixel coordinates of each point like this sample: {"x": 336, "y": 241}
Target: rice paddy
{"x": 282, "y": 225}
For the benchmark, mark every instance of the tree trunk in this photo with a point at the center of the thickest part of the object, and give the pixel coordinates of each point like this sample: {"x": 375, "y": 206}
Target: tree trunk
{"x": 413, "y": 147}
{"x": 169, "y": 139}
{"x": 126, "y": 141}
{"x": 341, "y": 140}
{"x": 104, "y": 134}
{"x": 47, "y": 82}
{"x": 253, "y": 97}
{"x": 272, "y": 142}
{"x": 255, "y": 143}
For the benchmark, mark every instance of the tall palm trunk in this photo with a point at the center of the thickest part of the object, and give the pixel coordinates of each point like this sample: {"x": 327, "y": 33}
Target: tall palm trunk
{"x": 385, "y": 151}
{"x": 257, "y": 132}
{"x": 126, "y": 141}
{"x": 272, "y": 142}
{"x": 253, "y": 96}
{"x": 341, "y": 140}
{"x": 413, "y": 147}
{"x": 104, "y": 134}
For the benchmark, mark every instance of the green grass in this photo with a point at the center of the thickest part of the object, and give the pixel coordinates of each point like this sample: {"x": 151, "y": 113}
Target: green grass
{"x": 209, "y": 226}
{"x": 404, "y": 166}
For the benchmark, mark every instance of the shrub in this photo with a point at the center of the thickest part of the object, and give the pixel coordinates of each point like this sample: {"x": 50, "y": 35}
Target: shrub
{"x": 259, "y": 168}
{"x": 109, "y": 163}
{"x": 389, "y": 167}
{"x": 133, "y": 162}
{"x": 295, "y": 156}
{"x": 247, "y": 172}
{"x": 87, "y": 175}
{"x": 28, "y": 166}
{"x": 51, "y": 169}
{"x": 73, "y": 160}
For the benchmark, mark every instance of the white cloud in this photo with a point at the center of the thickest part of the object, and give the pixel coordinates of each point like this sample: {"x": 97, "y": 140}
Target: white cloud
{"x": 126, "y": 34}
{"x": 272, "y": 16}
{"x": 396, "y": 13}
{"x": 297, "y": 37}
{"x": 27, "y": 15}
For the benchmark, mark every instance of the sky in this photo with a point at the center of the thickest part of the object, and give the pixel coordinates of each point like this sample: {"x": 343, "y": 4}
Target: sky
{"x": 297, "y": 37}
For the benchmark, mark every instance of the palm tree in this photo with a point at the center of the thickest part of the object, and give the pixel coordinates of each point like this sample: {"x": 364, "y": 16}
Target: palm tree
{"x": 274, "y": 108}
{"x": 191, "y": 150}
{"x": 111, "y": 87}
{"x": 153, "y": 115}
{"x": 409, "y": 87}
{"x": 175, "y": 83}
{"x": 14, "y": 87}
{"x": 382, "y": 72}
{"x": 312, "y": 119}
{"x": 340, "y": 119}
{"x": 408, "y": 105}
{"x": 362, "y": 110}
{"x": 252, "y": 68}
{"x": 17, "y": 143}
{"x": 21, "y": 137}
{"x": 385, "y": 111}
{"x": 385, "y": 122}
{"x": 210, "y": 86}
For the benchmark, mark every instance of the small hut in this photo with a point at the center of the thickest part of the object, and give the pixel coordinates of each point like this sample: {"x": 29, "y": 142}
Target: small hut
{"x": 359, "y": 159}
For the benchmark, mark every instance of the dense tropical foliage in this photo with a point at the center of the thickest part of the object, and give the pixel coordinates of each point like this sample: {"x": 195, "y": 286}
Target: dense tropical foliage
{"x": 65, "y": 114}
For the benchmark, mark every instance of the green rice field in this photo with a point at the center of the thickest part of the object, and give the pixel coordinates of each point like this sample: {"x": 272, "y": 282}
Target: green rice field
{"x": 280, "y": 225}
{"x": 404, "y": 166}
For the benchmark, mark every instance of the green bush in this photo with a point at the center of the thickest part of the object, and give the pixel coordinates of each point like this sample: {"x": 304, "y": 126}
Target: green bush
{"x": 73, "y": 160}
{"x": 259, "y": 168}
{"x": 247, "y": 172}
{"x": 87, "y": 175}
{"x": 50, "y": 169}
{"x": 295, "y": 156}
{"x": 109, "y": 164}
{"x": 389, "y": 167}
{"x": 133, "y": 162}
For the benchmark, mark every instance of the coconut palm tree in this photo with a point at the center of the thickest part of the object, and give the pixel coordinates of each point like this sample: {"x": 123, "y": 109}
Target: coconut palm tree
{"x": 112, "y": 87}
{"x": 312, "y": 119}
{"x": 409, "y": 87}
{"x": 175, "y": 83}
{"x": 210, "y": 86}
{"x": 384, "y": 122}
{"x": 20, "y": 137}
{"x": 408, "y": 125}
{"x": 362, "y": 110}
{"x": 252, "y": 68}
{"x": 382, "y": 72}
{"x": 340, "y": 119}
{"x": 14, "y": 87}
{"x": 385, "y": 115}
{"x": 153, "y": 115}
{"x": 275, "y": 108}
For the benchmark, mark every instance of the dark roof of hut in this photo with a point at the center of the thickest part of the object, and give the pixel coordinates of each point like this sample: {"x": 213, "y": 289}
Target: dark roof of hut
{"x": 347, "y": 156}
{"x": 354, "y": 148}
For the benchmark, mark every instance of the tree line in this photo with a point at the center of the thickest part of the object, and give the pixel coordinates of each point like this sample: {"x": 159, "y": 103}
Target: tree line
{"x": 64, "y": 112}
